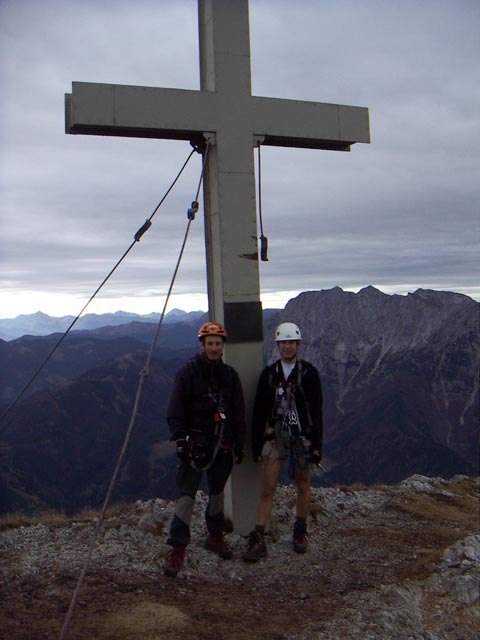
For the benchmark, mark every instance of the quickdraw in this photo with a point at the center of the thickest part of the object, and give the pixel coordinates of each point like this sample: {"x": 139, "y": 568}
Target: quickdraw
{"x": 203, "y": 449}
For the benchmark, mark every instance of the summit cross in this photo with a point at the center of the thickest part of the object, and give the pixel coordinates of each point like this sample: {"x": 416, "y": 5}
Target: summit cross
{"x": 226, "y": 115}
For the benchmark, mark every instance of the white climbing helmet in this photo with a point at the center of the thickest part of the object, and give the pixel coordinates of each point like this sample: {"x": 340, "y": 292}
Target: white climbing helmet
{"x": 287, "y": 331}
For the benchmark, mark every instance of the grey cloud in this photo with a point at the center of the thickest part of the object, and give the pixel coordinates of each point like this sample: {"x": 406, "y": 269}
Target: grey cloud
{"x": 402, "y": 212}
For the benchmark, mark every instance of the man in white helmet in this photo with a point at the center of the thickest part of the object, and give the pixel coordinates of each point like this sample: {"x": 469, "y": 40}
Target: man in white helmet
{"x": 287, "y": 426}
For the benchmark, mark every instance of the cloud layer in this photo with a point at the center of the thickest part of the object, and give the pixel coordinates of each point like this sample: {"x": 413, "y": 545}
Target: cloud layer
{"x": 400, "y": 213}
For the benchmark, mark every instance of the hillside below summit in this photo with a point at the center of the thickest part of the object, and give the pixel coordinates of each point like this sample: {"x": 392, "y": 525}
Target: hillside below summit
{"x": 400, "y": 378}
{"x": 389, "y": 562}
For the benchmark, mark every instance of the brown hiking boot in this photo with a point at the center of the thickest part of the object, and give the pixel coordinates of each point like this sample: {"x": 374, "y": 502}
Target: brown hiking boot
{"x": 256, "y": 548}
{"x": 216, "y": 542}
{"x": 300, "y": 541}
{"x": 174, "y": 561}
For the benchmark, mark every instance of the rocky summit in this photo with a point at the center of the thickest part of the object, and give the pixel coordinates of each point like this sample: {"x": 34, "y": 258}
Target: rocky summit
{"x": 383, "y": 563}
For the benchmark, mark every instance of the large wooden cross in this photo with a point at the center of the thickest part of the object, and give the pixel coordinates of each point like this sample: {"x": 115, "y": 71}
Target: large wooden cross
{"x": 225, "y": 114}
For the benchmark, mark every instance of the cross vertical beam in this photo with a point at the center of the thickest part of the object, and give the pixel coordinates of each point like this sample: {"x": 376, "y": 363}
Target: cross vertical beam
{"x": 230, "y": 219}
{"x": 225, "y": 113}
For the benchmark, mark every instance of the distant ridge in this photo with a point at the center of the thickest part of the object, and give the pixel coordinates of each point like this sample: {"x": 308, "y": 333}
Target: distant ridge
{"x": 400, "y": 384}
{"x": 41, "y": 324}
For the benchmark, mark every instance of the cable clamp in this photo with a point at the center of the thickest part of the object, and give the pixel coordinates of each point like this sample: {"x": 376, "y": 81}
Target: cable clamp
{"x": 264, "y": 248}
{"x": 192, "y": 210}
{"x": 210, "y": 138}
{"x": 145, "y": 227}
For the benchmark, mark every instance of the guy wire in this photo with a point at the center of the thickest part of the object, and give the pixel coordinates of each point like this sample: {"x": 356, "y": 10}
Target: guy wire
{"x": 143, "y": 374}
{"x": 104, "y": 281}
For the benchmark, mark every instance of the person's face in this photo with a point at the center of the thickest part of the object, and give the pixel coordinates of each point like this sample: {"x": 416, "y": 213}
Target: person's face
{"x": 212, "y": 347}
{"x": 288, "y": 349}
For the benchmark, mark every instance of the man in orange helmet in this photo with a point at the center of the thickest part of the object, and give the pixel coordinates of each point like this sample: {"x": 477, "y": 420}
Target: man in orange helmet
{"x": 206, "y": 416}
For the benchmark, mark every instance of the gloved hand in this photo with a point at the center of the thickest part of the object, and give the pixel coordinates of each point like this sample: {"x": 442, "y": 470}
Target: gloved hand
{"x": 182, "y": 448}
{"x": 238, "y": 454}
{"x": 315, "y": 457}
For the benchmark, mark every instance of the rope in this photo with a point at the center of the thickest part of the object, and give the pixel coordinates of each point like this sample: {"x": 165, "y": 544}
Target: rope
{"x": 263, "y": 238}
{"x": 143, "y": 374}
{"x": 137, "y": 237}
{"x": 260, "y": 190}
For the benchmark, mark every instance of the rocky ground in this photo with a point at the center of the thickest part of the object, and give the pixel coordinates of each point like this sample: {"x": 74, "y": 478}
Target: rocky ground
{"x": 383, "y": 563}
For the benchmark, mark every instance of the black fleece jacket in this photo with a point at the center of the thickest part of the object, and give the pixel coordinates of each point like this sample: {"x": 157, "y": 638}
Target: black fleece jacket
{"x": 308, "y": 400}
{"x": 192, "y": 404}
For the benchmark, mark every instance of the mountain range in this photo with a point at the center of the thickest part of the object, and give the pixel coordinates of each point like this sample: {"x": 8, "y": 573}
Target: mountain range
{"x": 41, "y": 324}
{"x": 400, "y": 379}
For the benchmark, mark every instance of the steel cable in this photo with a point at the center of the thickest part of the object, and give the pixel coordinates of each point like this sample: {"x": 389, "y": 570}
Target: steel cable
{"x": 137, "y": 237}
{"x": 143, "y": 374}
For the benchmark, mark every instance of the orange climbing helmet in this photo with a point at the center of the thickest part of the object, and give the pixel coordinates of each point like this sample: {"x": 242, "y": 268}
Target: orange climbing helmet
{"x": 212, "y": 329}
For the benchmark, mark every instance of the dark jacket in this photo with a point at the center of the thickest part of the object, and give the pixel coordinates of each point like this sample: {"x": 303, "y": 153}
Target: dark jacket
{"x": 308, "y": 401}
{"x": 200, "y": 386}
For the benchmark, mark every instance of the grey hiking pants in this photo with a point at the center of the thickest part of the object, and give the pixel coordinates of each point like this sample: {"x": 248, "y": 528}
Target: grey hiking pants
{"x": 188, "y": 482}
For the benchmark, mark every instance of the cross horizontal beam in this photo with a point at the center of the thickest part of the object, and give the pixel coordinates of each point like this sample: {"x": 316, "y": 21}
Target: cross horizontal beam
{"x": 178, "y": 114}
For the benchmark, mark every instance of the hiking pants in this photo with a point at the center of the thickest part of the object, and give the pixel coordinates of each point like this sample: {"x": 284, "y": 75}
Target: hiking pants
{"x": 188, "y": 482}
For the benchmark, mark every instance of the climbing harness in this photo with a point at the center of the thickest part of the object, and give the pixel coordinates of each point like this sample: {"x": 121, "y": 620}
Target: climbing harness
{"x": 287, "y": 428}
{"x": 143, "y": 374}
{"x": 202, "y": 447}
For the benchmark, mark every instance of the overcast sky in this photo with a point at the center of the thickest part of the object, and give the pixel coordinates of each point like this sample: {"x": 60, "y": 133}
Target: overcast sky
{"x": 400, "y": 213}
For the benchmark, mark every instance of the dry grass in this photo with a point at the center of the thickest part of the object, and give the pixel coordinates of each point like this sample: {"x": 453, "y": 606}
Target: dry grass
{"x": 58, "y": 518}
{"x": 353, "y": 488}
{"x": 148, "y": 620}
{"x": 461, "y": 510}
{"x": 17, "y": 519}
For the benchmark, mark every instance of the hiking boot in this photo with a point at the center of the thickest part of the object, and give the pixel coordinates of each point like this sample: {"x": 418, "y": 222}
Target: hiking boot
{"x": 216, "y": 542}
{"x": 300, "y": 539}
{"x": 174, "y": 561}
{"x": 256, "y": 548}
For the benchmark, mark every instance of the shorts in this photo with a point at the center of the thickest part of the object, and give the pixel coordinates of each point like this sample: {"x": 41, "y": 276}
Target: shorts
{"x": 270, "y": 451}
